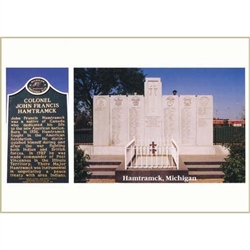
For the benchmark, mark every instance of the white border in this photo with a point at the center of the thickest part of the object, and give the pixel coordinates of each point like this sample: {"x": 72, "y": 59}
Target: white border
{"x": 134, "y": 52}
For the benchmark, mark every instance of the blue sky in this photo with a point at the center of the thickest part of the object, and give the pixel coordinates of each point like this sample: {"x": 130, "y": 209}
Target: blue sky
{"x": 227, "y": 85}
{"x": 17, "y": 77}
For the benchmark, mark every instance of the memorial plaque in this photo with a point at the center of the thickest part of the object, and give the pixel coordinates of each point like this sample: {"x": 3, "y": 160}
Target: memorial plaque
{"x": 135, "y": 117}
{"x": 153, "y": 109}
{"x": 119, "y": 120}
{"x": 101, "y": 120}
{"x": 188, "y": 124}
{"x": 37, "y": 134}
{"x": 205, "y": 120}
{"x": 171, "y": 118}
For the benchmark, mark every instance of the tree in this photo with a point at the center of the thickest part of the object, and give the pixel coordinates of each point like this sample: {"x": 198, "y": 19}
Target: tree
{"x": 234, "y": 165}
{"x": 82, "y": 121}
{"x": 104, "y": 81}
{"x": 243, "y": 116}
{"x": 81, "y": 174}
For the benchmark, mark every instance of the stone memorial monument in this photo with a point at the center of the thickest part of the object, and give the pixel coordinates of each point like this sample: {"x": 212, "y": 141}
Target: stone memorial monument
{"x": 154, "y": 138}
{"x": 186, "y": 119}
{"x": 37, "y": 134}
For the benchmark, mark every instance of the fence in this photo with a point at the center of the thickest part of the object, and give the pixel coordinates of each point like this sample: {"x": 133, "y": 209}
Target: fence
{"x": 151, "y": 154}
{"x": 83, "y": 136}
{"x": 227, "y": 134}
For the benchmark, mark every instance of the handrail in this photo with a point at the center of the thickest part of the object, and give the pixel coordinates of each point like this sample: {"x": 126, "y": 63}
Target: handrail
{"x": 130, "y": 143}
{"x": 175, "y": 153}
{"x": 130, "y": 153}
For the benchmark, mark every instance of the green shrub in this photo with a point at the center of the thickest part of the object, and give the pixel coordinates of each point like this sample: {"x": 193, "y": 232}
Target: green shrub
{"x": 234, "y": 167}
{"x": 81, "y": 174}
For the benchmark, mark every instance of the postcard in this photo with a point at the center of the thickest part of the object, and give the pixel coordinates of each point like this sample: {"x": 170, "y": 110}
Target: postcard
{"x": 125, "y": 125}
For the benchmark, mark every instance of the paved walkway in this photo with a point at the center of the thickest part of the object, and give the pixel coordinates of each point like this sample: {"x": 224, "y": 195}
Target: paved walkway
{"x": 102, "y": 181}
{"x": 207, "y": 181}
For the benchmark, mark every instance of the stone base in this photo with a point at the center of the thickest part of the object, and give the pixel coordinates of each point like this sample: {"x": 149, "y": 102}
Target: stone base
{"x": 103, "y": 150}
{"x": 197, "y": 150}
{"x": 109, "y": 150}
{"x": 221, "y": 150}
{"x": 88, "y": 149}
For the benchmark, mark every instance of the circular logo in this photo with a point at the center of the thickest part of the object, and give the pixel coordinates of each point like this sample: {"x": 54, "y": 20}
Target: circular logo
{"x": 101, "y": 103}
{"x": 37, "y": 86}
{"x": 204, "y": 101}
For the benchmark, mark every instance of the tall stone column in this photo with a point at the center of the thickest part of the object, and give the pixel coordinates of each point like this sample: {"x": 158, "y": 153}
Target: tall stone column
{"x": 118, "y": 120}
{"x": 101, "y": 121}
{"x": 153, "y": 108}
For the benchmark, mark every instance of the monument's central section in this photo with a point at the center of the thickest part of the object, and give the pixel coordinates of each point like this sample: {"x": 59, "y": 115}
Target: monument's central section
{"x": 153, "y": 119}
{"x": 186, "y": 119}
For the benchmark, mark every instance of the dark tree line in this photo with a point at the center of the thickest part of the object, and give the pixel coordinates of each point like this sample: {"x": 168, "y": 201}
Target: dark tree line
{"x": 103, "y": 81}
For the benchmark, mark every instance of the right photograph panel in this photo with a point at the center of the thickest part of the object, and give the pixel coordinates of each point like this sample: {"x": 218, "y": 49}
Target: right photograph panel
{"x": 159, "y": 125}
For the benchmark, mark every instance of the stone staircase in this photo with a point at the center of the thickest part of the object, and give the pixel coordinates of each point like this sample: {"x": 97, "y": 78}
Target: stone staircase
{"x": 205, "y": 168}
{"x": 102, "y": 169}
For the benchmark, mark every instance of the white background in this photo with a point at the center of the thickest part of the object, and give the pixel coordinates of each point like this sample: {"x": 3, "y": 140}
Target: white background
{"x": 110, "y": 197}
{"x": 132, "y": 18}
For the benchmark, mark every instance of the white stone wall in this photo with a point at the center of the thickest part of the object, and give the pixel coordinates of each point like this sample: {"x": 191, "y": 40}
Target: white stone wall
{"x": 204, "y": 120}
{"x": 170, "y": 105}
{"x": 153, "y": 108}
{"x": 135, "y": 117}
{"x": 101, "y": 120}
{"x": 118, "y": 120}
{"x": 188, "y": 119}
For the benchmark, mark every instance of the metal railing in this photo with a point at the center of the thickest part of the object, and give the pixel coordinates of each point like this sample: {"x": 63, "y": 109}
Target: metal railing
{"x": 151, "y": 154}
{"x": 130, "y": 153}
{"x": 175, "y": 153}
